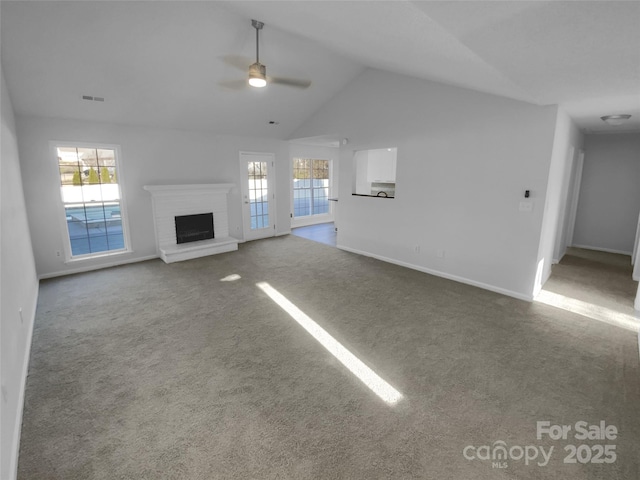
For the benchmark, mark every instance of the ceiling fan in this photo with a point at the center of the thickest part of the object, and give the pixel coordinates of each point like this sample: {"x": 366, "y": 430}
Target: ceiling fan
{"x": 258, "y": 72}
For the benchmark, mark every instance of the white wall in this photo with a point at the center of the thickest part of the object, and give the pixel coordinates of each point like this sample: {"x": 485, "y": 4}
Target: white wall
{"x": 464, "y": 161}
{"x": 636, "y": 255}
{"x": 567, "y": 140}
{"x": 362, "y": 184}
{"x": 609, "y": 195}
{"x": 149, "y": 156}
{"x": 566, "y": 223}
{"x": 18, "y": 290}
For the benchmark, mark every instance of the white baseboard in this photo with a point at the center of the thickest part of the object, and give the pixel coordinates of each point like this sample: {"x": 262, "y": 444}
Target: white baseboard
{"x": 15, "y": 448}
{"x": 281, "y": 234}
{"x": 90, "y": 268}
{"x": 555, "y": 261}
{"x": 437, "y": 273}
{"x": 599, "y": 249}
{"x": 312, "y": 220}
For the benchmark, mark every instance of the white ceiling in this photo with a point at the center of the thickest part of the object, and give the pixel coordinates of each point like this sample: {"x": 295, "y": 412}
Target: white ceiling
{"x": 163, "y": 63}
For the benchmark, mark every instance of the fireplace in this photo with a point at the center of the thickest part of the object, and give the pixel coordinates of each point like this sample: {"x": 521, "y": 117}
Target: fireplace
{"x": 193, "y": 228}
{"x": 204, "y": 206}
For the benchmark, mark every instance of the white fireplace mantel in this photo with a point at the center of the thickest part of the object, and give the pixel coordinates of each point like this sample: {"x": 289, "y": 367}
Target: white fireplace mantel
{"x": 170, "y": 201}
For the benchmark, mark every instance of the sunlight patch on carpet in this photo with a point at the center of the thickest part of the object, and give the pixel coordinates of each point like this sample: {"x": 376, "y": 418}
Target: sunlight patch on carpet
{"x": 231, "y": 278}
{"x": 370, "y": 378}
{"x": 590, "y": 310}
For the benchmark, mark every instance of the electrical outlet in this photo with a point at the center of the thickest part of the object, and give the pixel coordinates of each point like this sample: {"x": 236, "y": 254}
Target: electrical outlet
{"x": 58, "y": 253}
{"x": 525, "y": 206}
{"x": 416, "y": 249}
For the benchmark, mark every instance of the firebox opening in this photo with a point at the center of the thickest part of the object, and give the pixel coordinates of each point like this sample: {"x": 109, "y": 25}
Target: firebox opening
{"x": 192, "y": 228}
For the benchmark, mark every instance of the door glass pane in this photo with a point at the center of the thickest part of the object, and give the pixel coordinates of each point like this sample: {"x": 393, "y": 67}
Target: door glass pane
{"x": 258, "y": 195}
{"x": 320, "y": 187}
{"x": 310, "y": 187}
{"x": 301, "y": 192}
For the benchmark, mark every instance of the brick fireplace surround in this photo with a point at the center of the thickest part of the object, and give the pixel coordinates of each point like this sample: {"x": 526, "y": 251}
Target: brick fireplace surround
{"x": 170, "y": 201}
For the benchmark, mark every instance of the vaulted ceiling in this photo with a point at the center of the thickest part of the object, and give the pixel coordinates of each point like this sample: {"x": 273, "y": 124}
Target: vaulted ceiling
{"x": 175, "y": 64}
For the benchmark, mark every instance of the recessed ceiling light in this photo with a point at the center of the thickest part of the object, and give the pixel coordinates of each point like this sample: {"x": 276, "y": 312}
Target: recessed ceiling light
{"x": 615, "y": 119}
{"x": 273, "y": 122}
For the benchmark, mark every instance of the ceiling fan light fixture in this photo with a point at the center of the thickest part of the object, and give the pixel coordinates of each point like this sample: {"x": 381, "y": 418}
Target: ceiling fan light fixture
{"x": 257, "y": 75}
{"x": 615, "y": 119}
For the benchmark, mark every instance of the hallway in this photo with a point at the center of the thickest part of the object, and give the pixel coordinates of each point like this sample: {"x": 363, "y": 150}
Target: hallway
{"x": 596, "y": 284}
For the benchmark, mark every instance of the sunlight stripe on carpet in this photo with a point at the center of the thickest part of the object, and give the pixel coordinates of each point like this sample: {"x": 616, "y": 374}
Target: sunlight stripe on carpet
{"x": 370, "y": 378}
{"x": 590, "y": 310}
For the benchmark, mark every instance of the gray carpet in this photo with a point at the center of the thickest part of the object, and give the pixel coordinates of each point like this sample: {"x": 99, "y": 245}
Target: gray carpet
{"x": 154, "y": 371}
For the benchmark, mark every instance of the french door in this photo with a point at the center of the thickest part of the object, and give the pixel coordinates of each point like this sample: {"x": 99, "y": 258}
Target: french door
{"x": 257, "y": 195}
{"x": 311, "y": 189}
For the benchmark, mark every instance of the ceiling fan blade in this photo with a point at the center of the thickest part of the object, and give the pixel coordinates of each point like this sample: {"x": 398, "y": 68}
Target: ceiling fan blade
{"x": 235, "y": 85}
{"x": 290, "y": 82}
{"x": 238, "y": 61}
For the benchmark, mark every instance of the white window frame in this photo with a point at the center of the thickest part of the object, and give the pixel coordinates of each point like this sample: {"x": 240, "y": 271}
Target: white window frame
{"x": 60, "y": 207}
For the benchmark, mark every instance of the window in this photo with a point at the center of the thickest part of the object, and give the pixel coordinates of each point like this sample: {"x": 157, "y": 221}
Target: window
{"x": 310, "y": 187}
{"x": 91, "y": 199}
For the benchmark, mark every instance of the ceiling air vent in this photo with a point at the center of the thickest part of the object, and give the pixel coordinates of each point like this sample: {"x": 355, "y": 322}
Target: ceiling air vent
{"x": 95, "y": 99}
